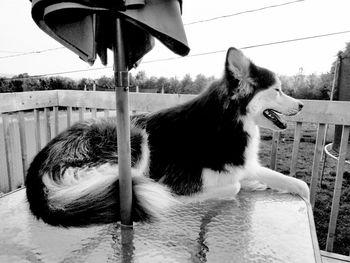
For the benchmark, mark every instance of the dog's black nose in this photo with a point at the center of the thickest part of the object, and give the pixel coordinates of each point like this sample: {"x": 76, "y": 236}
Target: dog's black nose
{"x": 301, "y": 105}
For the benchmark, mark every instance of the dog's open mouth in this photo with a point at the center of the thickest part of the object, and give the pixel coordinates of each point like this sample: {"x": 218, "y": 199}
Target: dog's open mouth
{"x": 274, "y": 117}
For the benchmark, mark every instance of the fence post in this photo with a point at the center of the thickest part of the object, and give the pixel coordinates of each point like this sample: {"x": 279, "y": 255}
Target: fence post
{"x": 275, "y": 141}
{"x": 337, "y": 188}
{"x": 316, "y": 162}
{"x": 23, "y": 143}
{"x": 296, "y": 143}
{"x": 6, "y": 184}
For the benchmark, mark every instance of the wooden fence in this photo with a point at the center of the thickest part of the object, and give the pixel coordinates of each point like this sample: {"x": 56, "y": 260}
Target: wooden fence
{"x": 31, "y": 119}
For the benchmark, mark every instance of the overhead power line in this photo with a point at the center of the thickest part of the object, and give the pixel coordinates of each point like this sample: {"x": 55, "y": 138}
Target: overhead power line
{"x": 62, "y": 72}
{"x": 187, "y": 24}
{"x": 32, "y": 52}
{"x": 11, "y": 52}
{"x": 194, "y": 55}
{"x": 243, "y": 12}
{"x": 253, "y": 46}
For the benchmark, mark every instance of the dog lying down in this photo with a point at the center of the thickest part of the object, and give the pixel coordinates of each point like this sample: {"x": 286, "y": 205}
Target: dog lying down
{"x": 203, "y": 148}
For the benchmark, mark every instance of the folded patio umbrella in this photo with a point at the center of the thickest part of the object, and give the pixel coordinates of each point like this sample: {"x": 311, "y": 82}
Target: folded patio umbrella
{"x": 87, "y": 26}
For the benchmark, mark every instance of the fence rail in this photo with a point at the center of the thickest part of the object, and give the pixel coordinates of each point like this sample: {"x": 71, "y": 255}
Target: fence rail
{"x": 30, "y": 119}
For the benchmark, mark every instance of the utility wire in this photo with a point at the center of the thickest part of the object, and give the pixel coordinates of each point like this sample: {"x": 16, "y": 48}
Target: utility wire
{"x": 11, "y": 52}
{"x": 187, "y": 24}
{"x": 253, "y": 46}
{"x": 194, "y": 55}
{"x": 242, "y": 12}
{"x": 59, "y": 73}
{"x": 32, "y": 52}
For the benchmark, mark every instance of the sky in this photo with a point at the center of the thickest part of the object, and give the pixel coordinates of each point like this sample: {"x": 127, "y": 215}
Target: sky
{"x": 19, "y": 33}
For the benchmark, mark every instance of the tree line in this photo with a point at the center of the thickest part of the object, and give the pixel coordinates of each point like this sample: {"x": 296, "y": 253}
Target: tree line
{"x": 312, "y": 86}
{"x": 299, "y": 86}
{"x": 186, "y": 85}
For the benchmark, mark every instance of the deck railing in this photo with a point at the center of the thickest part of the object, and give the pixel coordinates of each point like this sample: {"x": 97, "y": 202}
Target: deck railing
{"x": 31, "y": 119}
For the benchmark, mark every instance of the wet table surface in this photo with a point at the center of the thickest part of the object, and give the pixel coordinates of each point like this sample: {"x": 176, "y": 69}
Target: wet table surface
{"x": 253, "y": 227}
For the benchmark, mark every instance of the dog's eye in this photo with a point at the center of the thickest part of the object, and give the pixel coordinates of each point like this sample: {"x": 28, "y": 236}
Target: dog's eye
{"x": 278, "y": 90}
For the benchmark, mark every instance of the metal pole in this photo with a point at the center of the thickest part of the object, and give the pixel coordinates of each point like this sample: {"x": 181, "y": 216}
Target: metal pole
{"x": 123, "y": 126}
{"x": 335, "y": 85}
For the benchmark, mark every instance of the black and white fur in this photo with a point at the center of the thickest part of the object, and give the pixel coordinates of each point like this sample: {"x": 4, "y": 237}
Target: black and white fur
{"x": 205, "y": 147}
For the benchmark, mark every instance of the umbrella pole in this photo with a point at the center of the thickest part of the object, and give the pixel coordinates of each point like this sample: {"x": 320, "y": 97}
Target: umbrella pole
{"x": 121, "y": 78}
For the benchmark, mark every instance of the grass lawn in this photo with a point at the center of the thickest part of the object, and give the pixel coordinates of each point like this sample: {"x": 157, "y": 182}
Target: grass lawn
{"x": 325, "y": 187}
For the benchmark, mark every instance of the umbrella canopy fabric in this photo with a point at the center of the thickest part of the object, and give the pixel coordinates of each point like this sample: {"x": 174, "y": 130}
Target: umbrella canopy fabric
{"x": 86, "y": 26}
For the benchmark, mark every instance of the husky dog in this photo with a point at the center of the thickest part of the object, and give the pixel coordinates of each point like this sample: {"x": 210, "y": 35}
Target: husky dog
{"x": 206, "y": 146}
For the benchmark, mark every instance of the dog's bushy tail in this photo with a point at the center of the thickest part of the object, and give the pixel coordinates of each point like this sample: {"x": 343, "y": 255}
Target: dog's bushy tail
{"x": 74, "y": 181}
{"x": 91, "y": 196}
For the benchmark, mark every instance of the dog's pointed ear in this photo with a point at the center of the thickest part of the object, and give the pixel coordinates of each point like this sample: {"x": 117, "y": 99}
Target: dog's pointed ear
{"x": 237, "y": 64}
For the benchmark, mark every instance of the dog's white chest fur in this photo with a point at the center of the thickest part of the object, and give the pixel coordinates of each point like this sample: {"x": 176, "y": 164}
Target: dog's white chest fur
{"x": 216, "y": 181}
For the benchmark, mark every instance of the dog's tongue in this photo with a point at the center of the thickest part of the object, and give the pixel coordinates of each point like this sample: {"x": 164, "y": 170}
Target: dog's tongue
{"x": 273, "y": 116}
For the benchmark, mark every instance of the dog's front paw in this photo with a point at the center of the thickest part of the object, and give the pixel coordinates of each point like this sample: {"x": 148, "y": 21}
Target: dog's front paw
{"x": 302, "y": 189}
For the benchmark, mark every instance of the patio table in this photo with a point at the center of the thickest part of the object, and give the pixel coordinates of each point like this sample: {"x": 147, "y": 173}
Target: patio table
{"x": 253, "y": 227}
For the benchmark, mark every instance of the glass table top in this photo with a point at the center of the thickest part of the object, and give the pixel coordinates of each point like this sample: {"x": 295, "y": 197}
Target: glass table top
{"x": 254, "y": 227}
